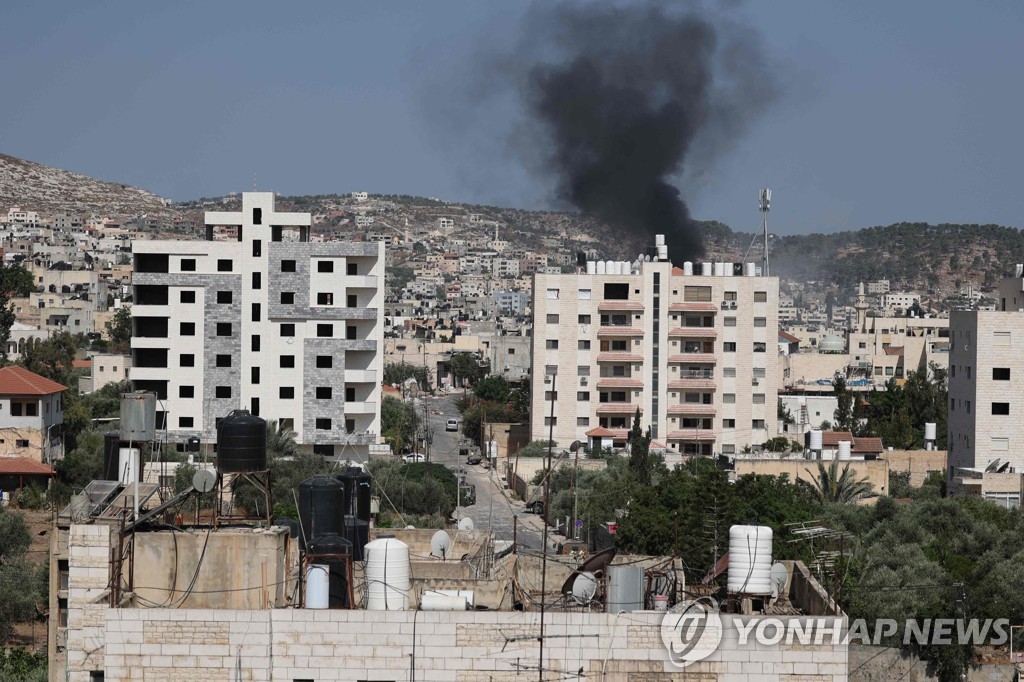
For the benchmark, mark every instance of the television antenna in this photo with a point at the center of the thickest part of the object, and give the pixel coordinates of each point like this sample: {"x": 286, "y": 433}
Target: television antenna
{"x": 764, "y": 205}
{"x": 204, "y": 480}
{"x": 440, "y": 543}
{"x": 466, "y": 524}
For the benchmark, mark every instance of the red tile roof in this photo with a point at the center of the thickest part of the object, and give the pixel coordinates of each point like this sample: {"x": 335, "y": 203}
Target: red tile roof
{"x": 867, "y": 445}
{"x": 599, "y": 432}
{"x": 23, "y": 466}
{"x": 81, "y": 364}
{"x": 832, "y": 438}
{"x": 894, "y": 350}
{"x": 786, "y": 336}
{"x": 15, "y": 380}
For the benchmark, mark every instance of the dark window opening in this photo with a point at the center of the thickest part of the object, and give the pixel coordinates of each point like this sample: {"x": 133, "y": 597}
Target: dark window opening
{"x": 187, "y": 329}
{"x": 616, "y": 291}
{"x": 325, "y": 266}
{"x": 325, "y": 330}
{"x": 151, "y": 327}
{"x": 324, "y": 450}
{"x": 187, "y": 297}
{"x": 151, "y": 294}
{"x": 224, "y": 265}
{"x": 224, "y": 297}
{"x": 323, "y": 424}
{"x": 287, "y": 266}
{"x": 323, "y": 392}
{"x": 350, "y": 394}
{"x": 186, "y": 391}
{"x": 150, "y": 357}
{"x": 254, "y": 406}
{"x": 186, "y": 360}
{"x": 223, "y": 329}
{"x": 325, "y": 298}
{"x": 287, "y": 297}
{"x": 287, "y": 361}
{"x": 352, "y": 269}
{"x": 223, "y": 392}
{"x": 188, "y": 264}
{"x": 185, "y": 422}
{"x": 351, "y": 300}
{"x": 324, "y": 362}
{"x": 224, "y": 360}
{"x": 257, "y": 216}
{"x": 256, "y": 342}
{"x": 255, "y": 312}
{"x": 254, "y": 375}
{"x": 257, "y": 280}
{"x": 257, "y": 248}
{"x": 1000, "y": 373}
{"x": 350, "y": 426}
{"x": 152, "y": 262}
{"x": 286, "y": 392}
{"x": 351, "y": 332}
{"x": 287, "y": 329}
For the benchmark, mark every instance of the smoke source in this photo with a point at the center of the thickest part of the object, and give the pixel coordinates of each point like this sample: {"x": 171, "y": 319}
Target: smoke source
{"x": 623, "y": 96}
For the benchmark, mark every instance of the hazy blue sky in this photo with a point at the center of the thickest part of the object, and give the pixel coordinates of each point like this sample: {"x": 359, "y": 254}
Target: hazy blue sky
{"x": 888, "y": 112}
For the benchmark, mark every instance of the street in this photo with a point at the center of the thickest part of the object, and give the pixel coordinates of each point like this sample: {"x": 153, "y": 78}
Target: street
{"x": 495, "y": 508}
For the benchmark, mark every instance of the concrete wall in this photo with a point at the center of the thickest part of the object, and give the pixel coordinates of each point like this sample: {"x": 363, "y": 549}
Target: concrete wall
{"x": 875, "y": 664}
{"x": 917, "y": 462}
{"x": 876, "y": 471}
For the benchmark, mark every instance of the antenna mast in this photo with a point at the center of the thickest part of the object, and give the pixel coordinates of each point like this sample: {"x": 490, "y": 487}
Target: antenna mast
{"x": 764, "y": 204}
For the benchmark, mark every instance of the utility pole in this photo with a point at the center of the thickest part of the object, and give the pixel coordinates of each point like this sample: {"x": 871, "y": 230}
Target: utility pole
{"x": 764, "y": 204}
{"x": 552, "y": 371}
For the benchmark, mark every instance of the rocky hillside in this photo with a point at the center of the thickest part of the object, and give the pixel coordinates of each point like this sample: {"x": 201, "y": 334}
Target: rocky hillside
{"x": 46, "y": 190}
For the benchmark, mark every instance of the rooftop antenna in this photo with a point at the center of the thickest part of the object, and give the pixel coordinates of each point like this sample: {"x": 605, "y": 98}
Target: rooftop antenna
{"x": 764, "y": 204}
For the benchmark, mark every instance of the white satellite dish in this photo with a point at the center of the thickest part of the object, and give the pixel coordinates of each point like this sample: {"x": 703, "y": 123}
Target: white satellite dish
{"x": 204, "y": 480}
{"x": 466, "y": 524}
{"x": 779, "y": 578}
{"x": 584, "y": 588}
{"x": 440, "y": 543}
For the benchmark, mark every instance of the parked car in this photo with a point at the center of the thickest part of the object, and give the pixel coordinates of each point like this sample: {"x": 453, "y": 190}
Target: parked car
{"x": 468, "y": 495}
{"x": 451, "y": 425}
{"x": 414, "y": 457}
{"x": 474, "y": 458}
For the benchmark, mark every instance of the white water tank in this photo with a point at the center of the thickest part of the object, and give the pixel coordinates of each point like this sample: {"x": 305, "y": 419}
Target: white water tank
{"x": 843, "y": 451}
{"x": 387, "y": 575}
{"x": 750, "y": 560}
{"x": 591, "y": 267}
{"x": 705, "y": 269}
{"x": 609, "y": 267}
{"x": 435, "y": 601}
{"x": 751, "y": 269}
{"x": 599, "y": 267}
{"x": 816, "y": 440}
{"x": 929, "y": 431}
{"x": 659, "y": 240}
{"x": 719, "y": 269}
{"x": 662, "y": 252}
{"x": 128, "y": 464}
{"x": 318, "y": 586}
{"x": 625, "y": 589}
{"x": 627, "y": 267}
{"x": 688, "y": 268}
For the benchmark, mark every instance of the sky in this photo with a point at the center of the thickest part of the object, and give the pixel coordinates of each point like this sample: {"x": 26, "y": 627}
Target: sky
{"x": 886, "y": 112}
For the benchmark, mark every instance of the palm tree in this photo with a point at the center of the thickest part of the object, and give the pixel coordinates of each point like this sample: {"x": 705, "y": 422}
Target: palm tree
{"x": 832, "y": 486}
{"x": 280, "y": 440}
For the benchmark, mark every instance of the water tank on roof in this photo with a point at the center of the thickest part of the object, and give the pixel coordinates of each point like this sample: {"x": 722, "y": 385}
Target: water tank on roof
{"x": 334, "y": 552}
{"x": 387, "y": 575}
{"x": 750, "y": 269}
{"x": 625, "y": 589}
{"x": 843, "y": 451}
{"x": 688, "y": 268}
{"x": 241, "y": 443}
{"x": 358, "y": 533}
{"x": 357, "y": 492}
{"x": 719, "y": 269}
{"x": 320, "y": 508}
{"x": 816, "y": 440}
{"x": 599, "y": 267}
{"x": 706, "y": 269}
{"x": 929, "y": 431}
{"x": 591, "y": 267}
{"x": 750, "y": 560}
{"x": 111, "y": 445}
{"x": 138, "y": 416}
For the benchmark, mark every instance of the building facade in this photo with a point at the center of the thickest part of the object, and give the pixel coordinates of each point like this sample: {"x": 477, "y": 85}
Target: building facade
{"x": 696, "y": 354}
{"x": 288, "y": 329}
{"x": 31, "y": 416}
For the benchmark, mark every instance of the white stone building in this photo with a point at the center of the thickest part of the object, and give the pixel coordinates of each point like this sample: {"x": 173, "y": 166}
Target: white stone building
{"x": 696, "y": 354}
{"x": 288, "y": 329}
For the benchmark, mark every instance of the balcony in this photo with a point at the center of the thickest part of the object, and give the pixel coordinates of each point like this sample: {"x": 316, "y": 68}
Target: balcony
{"x": 610, "y": 306}
{"x": 705, "y": 358}
{"x": 360, "y": 282}
{"x": 698, "y": 409}
{"x": 612, "y": 330}
{"x": 360, "y": 407}
{"x": 360, "y": 376}
{"x": 149, "y": 310}
{"x": 618, "y": 408}
{"x": 620, "y": 382}
{"x": 692, "y": 307}
{"x": 692, "y": 435}
{"x": 687, "y": 382}
{"x": 151, "y": 342}
{"x": 692, "y": 333}
{"x": 616, "y": 356}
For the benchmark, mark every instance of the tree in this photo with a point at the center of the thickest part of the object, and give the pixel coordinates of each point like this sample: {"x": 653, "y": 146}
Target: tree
{"x": 831, "y": 485}
{"x": 21, "y": 583}
{"x": 397, "y": 424}
{"x": 493, "y": 388}
{"x": 397, "y": 373}
{"x": 641, "y": 462}
{"x": 466, "y": 367}
{"x": 119, "y": 329}
{"x": 844, "y": 414}
{"x": 51, "y": 358}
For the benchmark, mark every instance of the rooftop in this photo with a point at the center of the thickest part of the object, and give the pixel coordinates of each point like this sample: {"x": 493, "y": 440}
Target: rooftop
{"x": 15, "y": 380}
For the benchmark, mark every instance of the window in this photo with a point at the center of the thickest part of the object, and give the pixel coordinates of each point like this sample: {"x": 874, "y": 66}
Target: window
{"x": 583, "y": 345}
{"x": 254, "y": 375}
{"x": 759, "y": 398}
{"x": 323, "y": 392}
{"x": 511, "y": 351}
{"x": 324, "y": 450}
{"x": 257, "y": 248}
{"x": 586, "y": 294}
{"x": 583, "y": 319}
{"x": 757, "y": 424}
{"x": 759, "y": 372}
{"x": 553, "y": 294}
{"x": 255, "y": 312}
{"x": 223, "y": 360}
{"x": 728, "y": 398}
{"x": 1001, "y": 339}
{"x": 15, "y": 409}
{"x": 257, "y": 280}
{"x": 287, "y": 361}
{"x": 325, "y": 298}
{"x": 222, "y": 392}
{"x": 760, "y": 346}
{"x": 551, "y": 344}
{"x": 350, "y": 426}
{"x": 350, "y": 394}
{"x": 185, "y": 422}
{"x": 616, "y": 291}
{"x": 696, "y": 294}
{"x": 224, "y": 265}
{"x": 324, "y": 361}
{"x": 729, "y": 295}
{"x": 21, "y": 442}
{"x": 581, "y": 396}
{"x": 583, "y": 370}
{"x": 728, "y": 423}
{"x": 760, "y": 321}
{"x": 188, "y": 264}
{"x": 729, "y": 372}
{"x": 351, "y": 332}
{"x": 257, "y": 216}
{"x": 187, "y": 297}
{"x": 1000, "y": 373}
{"x": 223, "y": 329}
{"x": 582, "y": 421}
{"x": 287, "y": 329}
{"x": 287, "y": 297}
{"x": 729, "y": 321}
{"x": 999, "y": 444}
{"x": 550, "y": 421}
{"x": 224, "y": 297}
{"x": 1000, "y": 408}
{"x": 323, "y": 424}
{"x": 552, "y": 318}
{"x": 186, "y": 391}
{"x": 186, "y": 360}
{"x": 187, "y": 329}
{"x": 287, "y": 266}
{"x": 286, "y": 392}
{"x": 760, "y": 297}
{"x": 325, "y": 266}
{"x": 351, "y": 301}
{"x": 351, "y": 269}
{"x": 729, "y": 346}
{"x": 968, "y": 371}
{"x": 256, "y": 342}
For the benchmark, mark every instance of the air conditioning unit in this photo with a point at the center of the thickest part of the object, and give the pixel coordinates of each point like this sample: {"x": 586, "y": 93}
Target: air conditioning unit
{"x": 725, "y": 305}
{"x": 583, "y": 381}
{"x": 732, "y": 305}
{"x": 547, "y": 379}
{"x": 755, "y": 381}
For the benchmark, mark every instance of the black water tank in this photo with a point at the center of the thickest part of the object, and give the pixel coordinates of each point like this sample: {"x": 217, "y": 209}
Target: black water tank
{"x": 357, "y": 492}
{"x": 358, "y": 533}
{"x": 241, "y": 443}
{"x": 111, "y": 445}
{"x": 320, "y": 512}
{"x": 363, "y": 489}
{"x": 291, "y": 524}
{"x": 338, "y": 567}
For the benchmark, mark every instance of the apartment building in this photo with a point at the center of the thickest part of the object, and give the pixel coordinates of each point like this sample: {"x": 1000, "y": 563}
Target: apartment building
{"x": 288, "y": 329}
{"x": 695, "y": 353}
{"x": 985, "y": 376}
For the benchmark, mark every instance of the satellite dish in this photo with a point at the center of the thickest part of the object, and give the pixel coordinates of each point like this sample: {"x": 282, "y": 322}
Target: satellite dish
{"x": 584, "y": 588}
{"x": 779, "y": 578}
{"x": 466, "y": 524}
{"x": 203, "y": 481}
{"x": 440, "y": 543}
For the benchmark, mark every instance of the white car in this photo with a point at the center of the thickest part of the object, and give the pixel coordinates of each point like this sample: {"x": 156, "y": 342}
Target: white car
{"x": 414, "y": 457}
{"x": 451, "y": 425}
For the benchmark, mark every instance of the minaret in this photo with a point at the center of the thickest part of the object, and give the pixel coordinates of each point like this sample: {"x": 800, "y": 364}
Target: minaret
{"x": 862, "y": 309}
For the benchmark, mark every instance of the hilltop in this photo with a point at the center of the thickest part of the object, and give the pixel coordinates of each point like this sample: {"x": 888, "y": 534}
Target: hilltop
{"x": 47, "y": 190}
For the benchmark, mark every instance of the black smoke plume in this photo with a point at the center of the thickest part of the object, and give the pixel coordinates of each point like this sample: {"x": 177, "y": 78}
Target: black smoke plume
{"x": 624, "y": 97}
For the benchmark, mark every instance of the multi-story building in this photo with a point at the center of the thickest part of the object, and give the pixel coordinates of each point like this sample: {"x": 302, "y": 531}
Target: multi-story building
{"x": 31, "y": 416}
{"x": 695, "y": 354}
{"x": 288, "y": 329}
{"x": 985, "y": 375}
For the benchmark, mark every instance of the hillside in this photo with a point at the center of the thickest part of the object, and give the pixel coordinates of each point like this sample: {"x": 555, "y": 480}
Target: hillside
{"x": 47, "y": 190}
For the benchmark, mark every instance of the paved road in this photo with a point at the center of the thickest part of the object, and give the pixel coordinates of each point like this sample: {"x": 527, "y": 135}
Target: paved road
{"x": 495, "y": 509}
